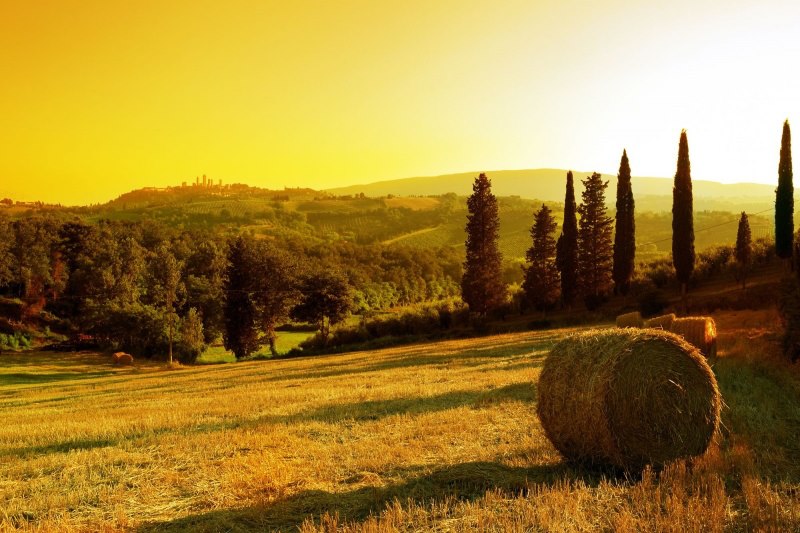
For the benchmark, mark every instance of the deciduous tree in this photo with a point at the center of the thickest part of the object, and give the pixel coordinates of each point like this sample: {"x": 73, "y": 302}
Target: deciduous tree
{"x": 6, "y": 258}
{"x": 205, "y": 270}
{"x": 275, "y": 289}
{"x": 165, "y": 270}
{"x": 241, "y": 330}
{"x": 192, "y": 341}
{"x": 326, "y": 301}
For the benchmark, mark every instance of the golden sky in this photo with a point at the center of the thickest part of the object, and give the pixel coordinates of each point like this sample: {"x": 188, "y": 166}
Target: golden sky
{"x": 99, "y": 97}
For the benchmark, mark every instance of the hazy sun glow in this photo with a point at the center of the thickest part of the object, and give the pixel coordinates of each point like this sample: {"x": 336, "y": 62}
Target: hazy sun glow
{"x": 101, "y": 97}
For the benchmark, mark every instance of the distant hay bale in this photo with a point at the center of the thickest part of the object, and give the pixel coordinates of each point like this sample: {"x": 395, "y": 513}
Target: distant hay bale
{"x": 628, "y": 398}
{"x": 122, "y": 359}
{"x": 630, "y": 320}
{"x": 662, "y": 322}
{"x": 700, "y": 331}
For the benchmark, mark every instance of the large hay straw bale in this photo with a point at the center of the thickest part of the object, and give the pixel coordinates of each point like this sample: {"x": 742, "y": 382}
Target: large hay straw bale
{"x": 630, "y": 320}
{"x": 628, "y": 398}
{"x": 700, "y": 331}
{"x": 663, "y": 322}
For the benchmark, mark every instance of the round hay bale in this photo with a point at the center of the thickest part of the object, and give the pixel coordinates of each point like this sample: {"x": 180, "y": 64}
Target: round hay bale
{"x": 630, "y": 320}
{"x": 700, "y": 331}
{"x": 123, "y": 359}
{"x": 661, "y": 322}
{"x": 628, "y": 398}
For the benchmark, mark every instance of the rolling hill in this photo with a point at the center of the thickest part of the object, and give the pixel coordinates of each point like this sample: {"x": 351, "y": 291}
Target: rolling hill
{"x": 652, "y": 194}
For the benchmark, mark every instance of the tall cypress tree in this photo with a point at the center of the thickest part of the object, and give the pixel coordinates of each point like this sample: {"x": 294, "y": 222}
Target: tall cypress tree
{"x": 744, "y": 248}
{"x": 682, "y": 221}
{"x": 595, "y": 254}
{"x": 482, "y": 286}
{"x": 567, "y": 247}
{"x": 784, "y": 198}
{"x": 624, "y": 229}
{"x": 541, "y": 275}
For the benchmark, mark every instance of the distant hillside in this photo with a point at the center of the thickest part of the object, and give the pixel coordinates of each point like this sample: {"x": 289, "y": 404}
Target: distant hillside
{"x": 436, "y": 219}
{"x": 652, "y": 194}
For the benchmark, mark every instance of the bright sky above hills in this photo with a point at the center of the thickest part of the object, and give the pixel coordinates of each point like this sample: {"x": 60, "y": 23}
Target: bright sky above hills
{"x": 98, "y": 97}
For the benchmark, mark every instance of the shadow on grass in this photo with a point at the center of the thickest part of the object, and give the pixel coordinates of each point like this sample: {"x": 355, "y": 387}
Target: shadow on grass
{"x": 378, "y": 409}
{"x": 329, "y": 414}
{"x": 32, "y": 378}
{"x": 463, "y": 482}
{"x": 468, "y": 358}
{"x": 59, "y": 447}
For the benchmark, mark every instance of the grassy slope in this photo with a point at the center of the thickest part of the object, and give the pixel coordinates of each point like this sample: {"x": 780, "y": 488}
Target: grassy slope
{"x": 441, "y": 436}
{"x": 286, "y": 341}
{"x": 365, "y": 216}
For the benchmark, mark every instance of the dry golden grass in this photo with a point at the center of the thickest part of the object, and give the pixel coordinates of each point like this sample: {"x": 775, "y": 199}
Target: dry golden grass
{"x": 440, "y": 437}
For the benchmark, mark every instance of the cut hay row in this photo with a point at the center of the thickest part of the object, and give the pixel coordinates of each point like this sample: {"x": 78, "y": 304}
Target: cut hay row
{"x": 700, "y": 331}
{"x": 630, "y": 320}
{"x": 628, "y": 398}
{"x": 660, "y": 322}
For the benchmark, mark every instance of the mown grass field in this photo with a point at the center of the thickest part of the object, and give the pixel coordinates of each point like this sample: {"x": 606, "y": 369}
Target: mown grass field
{"x": 440, "y": 436}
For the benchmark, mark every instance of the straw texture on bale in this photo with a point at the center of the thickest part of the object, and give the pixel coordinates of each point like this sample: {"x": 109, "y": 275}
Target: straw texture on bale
{"x": 630, "y": 320}
{"x": 628, "y": 398}
{"x": 700, "y": 331}
{"x": 122, "y": 358}
{"x": 664, "y": 322}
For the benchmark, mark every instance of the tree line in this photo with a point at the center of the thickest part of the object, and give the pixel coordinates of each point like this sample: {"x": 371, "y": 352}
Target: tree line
{"x": 150, "y": 289}
{"x": 594, "y": 256}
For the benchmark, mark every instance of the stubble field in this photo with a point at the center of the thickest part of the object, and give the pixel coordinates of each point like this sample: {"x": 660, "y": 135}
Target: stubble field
{"x": 440, "y": 436}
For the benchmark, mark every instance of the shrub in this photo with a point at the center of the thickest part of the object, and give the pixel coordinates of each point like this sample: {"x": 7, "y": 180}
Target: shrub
{"x": 652, "y": 302}
{"x": 660, "y": 272}
{"x": 15, "y": 341}
{"x": 134, "y": 328}
{"x": 789, "y": 309}
{"x": 414, "y": 321}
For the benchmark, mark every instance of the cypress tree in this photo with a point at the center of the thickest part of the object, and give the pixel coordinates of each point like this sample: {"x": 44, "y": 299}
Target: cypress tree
{"x": 567, "y": 247}
{"x": 541, "y": 284}
{"x": 784, "y": 198}
{"x": 240, "y": 313}
{"x": 743, "y": 248}
{"x": 595, "y": 254}
{"x": 624, "y": 229}
{"x": 682, "y": 221}
{"x": 482, "y": 286}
